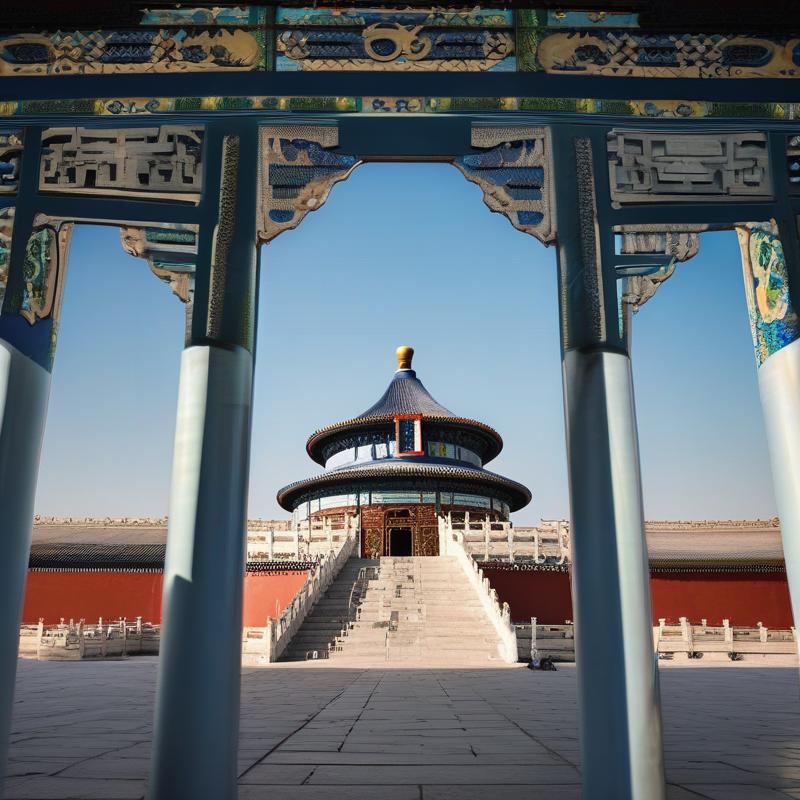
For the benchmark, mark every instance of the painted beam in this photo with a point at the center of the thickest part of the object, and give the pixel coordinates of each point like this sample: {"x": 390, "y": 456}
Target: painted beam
{"x": 399, "y": 84}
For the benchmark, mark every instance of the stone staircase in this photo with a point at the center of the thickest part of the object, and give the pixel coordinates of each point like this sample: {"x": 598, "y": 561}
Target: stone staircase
{"x": 419, "y": 610}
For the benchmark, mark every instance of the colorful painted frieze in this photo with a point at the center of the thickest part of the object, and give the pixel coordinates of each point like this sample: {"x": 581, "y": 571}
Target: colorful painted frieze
{"x": 213, "y": 15}
{"x": 134, "y": 51}
{"x": 426, "y": 39}
{"x": 619, "y": 53}
{"x": 773, "y": 320}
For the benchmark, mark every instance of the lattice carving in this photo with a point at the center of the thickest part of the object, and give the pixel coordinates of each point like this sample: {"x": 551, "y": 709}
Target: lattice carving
{"x": 668, "y": 55}
{"x": 145, "y": 50}
{"x": 513, "y": 170}
{"x": 659, "y": 167}
{"x": 773, "y": 319}
{"x": 298, "y": 168}
{"x": 162, "y": 162}
{"x": 10, "y": 155}
{"x": 426, "y": 541}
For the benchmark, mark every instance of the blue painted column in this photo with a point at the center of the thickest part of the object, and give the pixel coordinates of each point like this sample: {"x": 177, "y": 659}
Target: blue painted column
{"x": 197, "y": 704}
{"x": 29, "y": 310}
{"x": 620, "y": 720}
{"x": 771, "y": 269}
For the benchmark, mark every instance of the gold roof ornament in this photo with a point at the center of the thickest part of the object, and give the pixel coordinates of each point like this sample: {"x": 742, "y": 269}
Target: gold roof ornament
{"x": 404, "y": 356}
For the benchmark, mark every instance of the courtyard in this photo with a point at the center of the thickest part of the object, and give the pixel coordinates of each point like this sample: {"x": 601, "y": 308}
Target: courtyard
{"x": 82, "y": 730}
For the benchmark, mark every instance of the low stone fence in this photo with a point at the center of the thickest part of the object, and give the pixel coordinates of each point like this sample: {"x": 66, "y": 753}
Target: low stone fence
{"x": 265, "y": 645}
{"x": 684, "y": 640}
{"x": 312, "y": 538}
{"x": 75, "y": 641}
{"x": 697, "y": 641}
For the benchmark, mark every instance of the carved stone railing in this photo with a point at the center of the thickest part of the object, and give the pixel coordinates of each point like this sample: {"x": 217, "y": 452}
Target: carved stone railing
{"x": 265, "y": 645}
{"x": 557, "y": 642}
{"x": 499, "y": 615}
{"x": 497, "y": 540}
{"x": 316, "y": 538}
{"x": 75, "y": 641}
{"x": 695, "y": 641}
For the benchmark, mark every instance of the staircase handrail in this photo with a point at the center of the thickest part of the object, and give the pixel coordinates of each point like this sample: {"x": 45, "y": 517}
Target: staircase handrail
{"x": 359, "y": 582}
{"x": 280, "y": 631}
{"x": 499, "y": 615}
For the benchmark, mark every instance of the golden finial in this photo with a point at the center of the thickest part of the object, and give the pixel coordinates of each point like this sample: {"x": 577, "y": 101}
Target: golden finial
{"x": 404, "y": 356}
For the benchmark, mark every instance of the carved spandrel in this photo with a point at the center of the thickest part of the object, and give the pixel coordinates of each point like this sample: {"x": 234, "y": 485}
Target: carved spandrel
{"x": 44, "y": 270}
{"x": 513, "y": 170}
{"x": 107, "y": 52}
{"x": 672, "y": 167}
{"x": 675, "y": 246}
{"x": 298, "y": 169}
{"x": 161, "y": 163}
{"x": 170, "y": 251}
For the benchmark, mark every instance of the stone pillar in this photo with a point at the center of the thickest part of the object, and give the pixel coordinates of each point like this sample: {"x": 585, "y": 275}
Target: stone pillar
{"x": 620, "y": 717}
{"x": 771, "y": 267}
{"x": 29, "y": 312}
{"x": 197, "y": 702}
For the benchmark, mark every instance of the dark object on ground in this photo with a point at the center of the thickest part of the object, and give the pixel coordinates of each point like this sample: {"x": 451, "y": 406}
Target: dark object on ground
{"x": 545, "y": 664}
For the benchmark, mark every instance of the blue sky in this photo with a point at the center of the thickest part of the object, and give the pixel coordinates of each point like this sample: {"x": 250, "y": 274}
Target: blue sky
{"x": 403, "y": 254}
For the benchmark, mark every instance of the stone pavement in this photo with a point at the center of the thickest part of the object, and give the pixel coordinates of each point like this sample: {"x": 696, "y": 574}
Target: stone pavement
{"x": 82, "y": 730}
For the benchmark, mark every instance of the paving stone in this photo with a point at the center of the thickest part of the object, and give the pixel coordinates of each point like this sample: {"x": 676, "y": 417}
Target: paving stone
{"x": 313, "y": 732}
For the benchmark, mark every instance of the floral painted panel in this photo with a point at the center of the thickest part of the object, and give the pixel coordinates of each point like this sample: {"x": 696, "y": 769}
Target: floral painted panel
{"x": 773, "y": 320}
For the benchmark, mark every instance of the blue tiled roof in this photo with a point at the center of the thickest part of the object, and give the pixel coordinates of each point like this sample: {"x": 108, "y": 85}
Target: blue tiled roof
{"x": 406, "y": 395}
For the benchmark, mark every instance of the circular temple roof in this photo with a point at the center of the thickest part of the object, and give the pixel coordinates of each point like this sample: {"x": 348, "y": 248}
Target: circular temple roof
{"x": 398, "y": 470}
{"x": 405, "y": 394}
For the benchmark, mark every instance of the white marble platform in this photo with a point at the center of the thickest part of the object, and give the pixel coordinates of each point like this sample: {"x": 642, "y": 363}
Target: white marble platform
{"x": 82, "y": 730}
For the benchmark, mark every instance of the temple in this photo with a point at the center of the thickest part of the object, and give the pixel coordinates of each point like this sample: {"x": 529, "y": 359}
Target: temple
{"x": 620, "y": 134}
{"x": 398, "y": 466}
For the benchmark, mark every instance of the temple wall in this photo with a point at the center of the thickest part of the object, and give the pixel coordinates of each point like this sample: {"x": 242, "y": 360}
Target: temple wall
{"x": 111, "y": 595}
{"x": 744, "y": 598}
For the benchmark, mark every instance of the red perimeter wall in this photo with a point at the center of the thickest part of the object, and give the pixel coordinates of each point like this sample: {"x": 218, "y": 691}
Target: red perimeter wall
{"x": 744, "y": 598}
{"x": 111, "y": 595}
